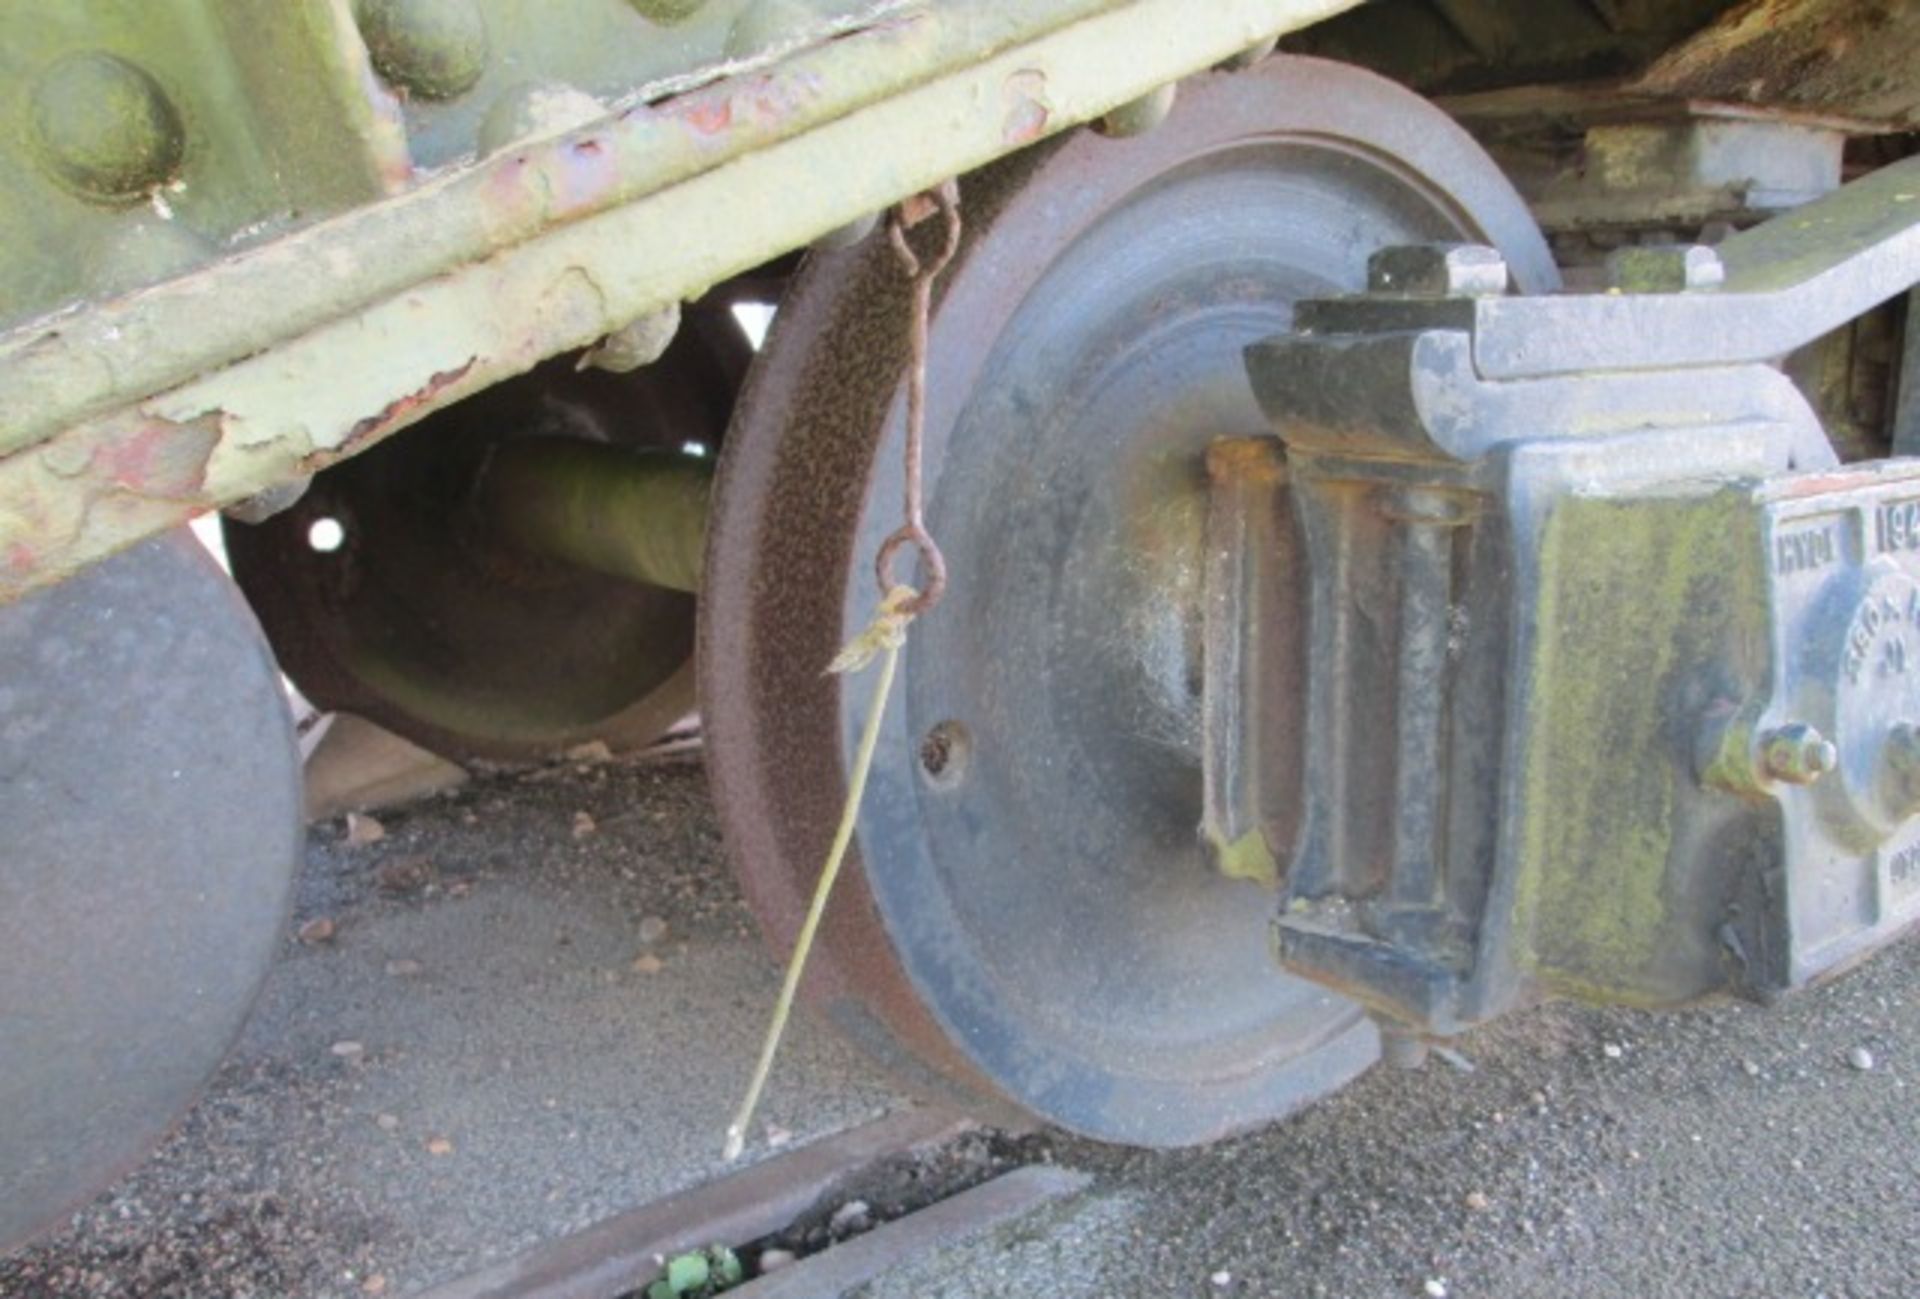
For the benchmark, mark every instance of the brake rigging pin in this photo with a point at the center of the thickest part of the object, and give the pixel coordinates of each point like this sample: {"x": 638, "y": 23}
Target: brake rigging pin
{"x": 900, "y": 604}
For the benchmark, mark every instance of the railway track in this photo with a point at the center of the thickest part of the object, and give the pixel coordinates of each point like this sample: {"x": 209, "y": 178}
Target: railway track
{"x": 917, "y": 1180}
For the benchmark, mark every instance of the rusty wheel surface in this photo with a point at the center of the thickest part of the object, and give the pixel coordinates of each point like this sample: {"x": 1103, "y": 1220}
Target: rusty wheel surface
{"x": 1033, "y": 925}
{"x": 387, "y": 591}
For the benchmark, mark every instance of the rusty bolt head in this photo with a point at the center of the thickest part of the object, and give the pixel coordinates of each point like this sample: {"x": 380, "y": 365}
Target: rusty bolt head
{"x": 1668, "y": 268}
{"x": 1797, "y": 754}
{"x": 1437, "y": 271}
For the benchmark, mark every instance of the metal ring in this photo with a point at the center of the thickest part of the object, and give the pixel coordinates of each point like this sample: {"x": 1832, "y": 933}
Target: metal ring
{"x": 931, "y": 560}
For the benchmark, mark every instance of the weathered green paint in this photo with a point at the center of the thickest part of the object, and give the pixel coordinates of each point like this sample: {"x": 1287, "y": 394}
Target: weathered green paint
{"x": 1634, "y": 595}
{"x": 224, "y": 124}
{"x": 105, "y": 127}
{"x": 353, "y": 328}
{"x": 640, "y": 515}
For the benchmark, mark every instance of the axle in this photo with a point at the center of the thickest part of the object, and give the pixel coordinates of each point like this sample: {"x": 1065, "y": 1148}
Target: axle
{"x": 638, "y": 515}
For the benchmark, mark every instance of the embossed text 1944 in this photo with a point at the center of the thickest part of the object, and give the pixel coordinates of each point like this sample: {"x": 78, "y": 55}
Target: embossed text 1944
{"x": 1897, "y": 526}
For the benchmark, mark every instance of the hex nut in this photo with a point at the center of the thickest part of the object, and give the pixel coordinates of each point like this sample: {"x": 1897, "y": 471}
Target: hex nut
{"x": 1665, "y": 268}
{"x": 1437, "y": 271}
{"x": 435, "y": 49}
{"x": 105, "y": 128}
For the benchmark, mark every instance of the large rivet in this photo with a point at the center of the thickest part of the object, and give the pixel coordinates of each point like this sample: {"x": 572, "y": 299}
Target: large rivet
{"x": 435, "y": 49}
{"x": 536, "y": 110}
{"x": 667, "y": 12}
{"x": 105, "y": 127}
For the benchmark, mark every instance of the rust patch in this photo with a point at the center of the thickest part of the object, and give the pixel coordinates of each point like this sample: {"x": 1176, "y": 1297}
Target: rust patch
{"x": 1028, "y": 112}
{"x": 707, "y": 114}
{"x": 400, "y": 411}
{"x": 161, "y": 459}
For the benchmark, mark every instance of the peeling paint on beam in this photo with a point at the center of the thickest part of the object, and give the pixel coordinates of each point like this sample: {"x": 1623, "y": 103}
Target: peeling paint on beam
{"x": 561, "y": 263}
{"x": 57, "y": 371}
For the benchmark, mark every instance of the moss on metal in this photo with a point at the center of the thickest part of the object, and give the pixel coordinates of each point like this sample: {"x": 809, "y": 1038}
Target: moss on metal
{"x": 1632, "y": 593}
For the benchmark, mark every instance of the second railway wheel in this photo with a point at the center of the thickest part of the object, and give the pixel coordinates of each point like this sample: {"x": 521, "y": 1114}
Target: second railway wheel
{"x": 402, "y": 586}
{"x": 1034, "y": 924}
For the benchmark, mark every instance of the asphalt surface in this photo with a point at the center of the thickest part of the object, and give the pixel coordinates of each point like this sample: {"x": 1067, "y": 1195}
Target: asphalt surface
{"x": 523, "y": 1068}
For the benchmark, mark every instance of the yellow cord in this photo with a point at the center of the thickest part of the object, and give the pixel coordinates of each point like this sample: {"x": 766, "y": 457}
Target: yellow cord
{"x": 884, "y": 638}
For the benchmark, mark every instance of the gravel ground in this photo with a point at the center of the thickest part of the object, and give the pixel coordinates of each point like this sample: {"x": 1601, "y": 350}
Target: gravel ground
{"x": 1728, "y": 1152}
{"x": 483, "y": 1055}
{"x": 519, "y": 1076}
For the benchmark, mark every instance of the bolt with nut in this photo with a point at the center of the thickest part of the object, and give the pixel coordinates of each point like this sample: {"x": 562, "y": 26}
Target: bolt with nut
{"x": 1797, "y": 754}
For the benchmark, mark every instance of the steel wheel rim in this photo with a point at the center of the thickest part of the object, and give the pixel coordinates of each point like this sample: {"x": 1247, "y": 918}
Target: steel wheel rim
{"x": 931, "y": 956}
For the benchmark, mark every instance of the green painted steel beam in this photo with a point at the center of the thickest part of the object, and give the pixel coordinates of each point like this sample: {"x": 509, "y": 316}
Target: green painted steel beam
{"x": 121, "y": 424}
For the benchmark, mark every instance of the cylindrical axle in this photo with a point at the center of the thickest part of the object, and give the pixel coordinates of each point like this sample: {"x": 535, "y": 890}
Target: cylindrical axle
{"x": 635, "y": 514}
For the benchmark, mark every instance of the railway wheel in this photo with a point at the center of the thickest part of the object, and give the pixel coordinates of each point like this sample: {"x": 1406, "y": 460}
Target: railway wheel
{"x": 150, "y": 791}
{"x": 1034, "y": 925}
{"x": 399, "y": 587}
